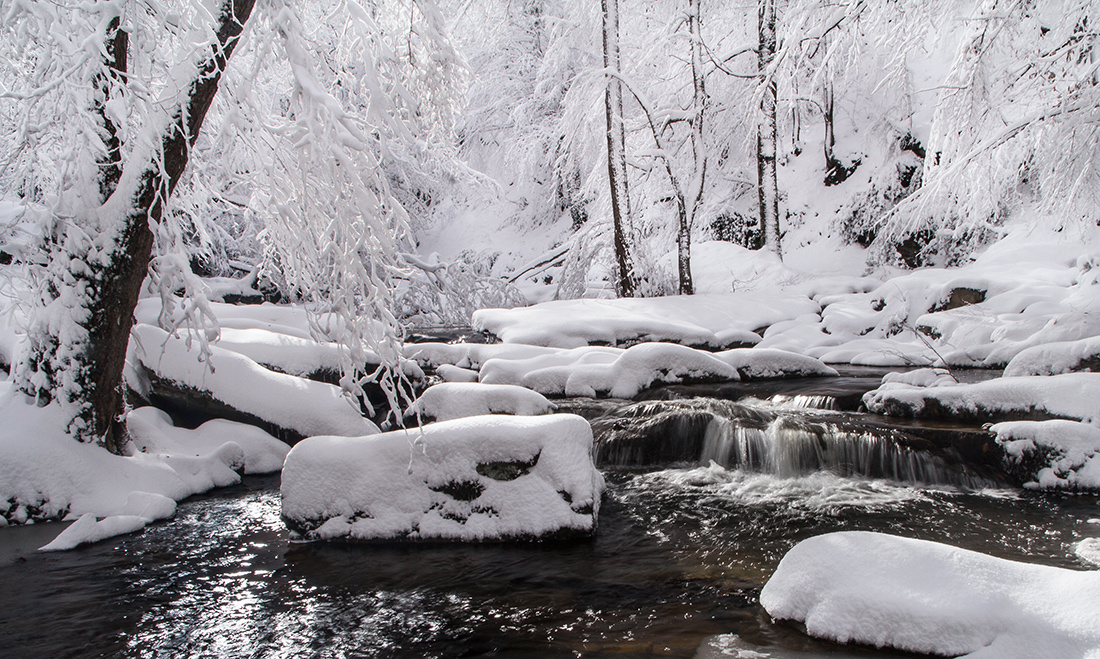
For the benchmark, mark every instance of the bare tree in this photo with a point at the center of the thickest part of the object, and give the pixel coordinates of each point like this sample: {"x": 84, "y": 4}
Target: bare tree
{"x": 626, "y": 282}
{"x": 766, "y": 135}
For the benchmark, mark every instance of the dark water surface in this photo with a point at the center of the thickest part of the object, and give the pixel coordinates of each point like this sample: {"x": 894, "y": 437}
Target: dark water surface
{"x": 680, "y": 558}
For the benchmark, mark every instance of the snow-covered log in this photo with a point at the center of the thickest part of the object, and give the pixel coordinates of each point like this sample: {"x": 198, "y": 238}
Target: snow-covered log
{"x": 484, "y": 478}
{"x": 927, "y": 597}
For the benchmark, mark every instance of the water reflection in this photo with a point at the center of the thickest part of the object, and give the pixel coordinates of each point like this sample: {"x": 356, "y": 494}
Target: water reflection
{"x": 676, "y": 567}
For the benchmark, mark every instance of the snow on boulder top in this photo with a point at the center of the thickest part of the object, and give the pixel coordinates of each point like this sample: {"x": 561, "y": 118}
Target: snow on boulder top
{"x": 454, "y": 400}
{"x": 689, "y": 320}
{"x": 483, "y": 478}
{"x": 1054, "y": 454}
{"x": 1057, "y": 358}
{"x": 761, "y": 363}
{"x": 1072, "y": 396}
{"x": 302, "y": 406}
{"x": 927, "y": 597}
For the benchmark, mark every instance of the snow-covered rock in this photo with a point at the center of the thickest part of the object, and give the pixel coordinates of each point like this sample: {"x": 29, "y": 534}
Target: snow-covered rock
{"x": 1052, "y": 454}
{"x": 601, "y": 371}
{"x": 302, "y": 406}
{"x": 483, "y": 478}
{"x": 455, "y": 400}
{"x": 152, "y": 432}
{"x": 47, "y": 475}
{"x": 928, "y": 597}
{"x": 689, "y": 320}
{"x": 1057, "y": 358}
{"x": 1071, "y": 396}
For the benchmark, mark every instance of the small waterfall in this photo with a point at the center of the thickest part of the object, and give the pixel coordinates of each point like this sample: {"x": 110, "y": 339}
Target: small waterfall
{"x": 788, "y": 441}
{"x": 804, "y": 402}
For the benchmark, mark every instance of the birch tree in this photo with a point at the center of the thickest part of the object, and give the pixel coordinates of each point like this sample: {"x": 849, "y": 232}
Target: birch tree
{"x": 767, "y": 133}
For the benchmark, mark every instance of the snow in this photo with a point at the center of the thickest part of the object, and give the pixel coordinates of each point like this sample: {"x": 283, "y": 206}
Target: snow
{"x": 152, "y": 432}
{"x": 1056, "y": 358}
{"x": 45, "y": 474}
{"x": 923, "y": 596}
{"x": 479, "y": 478}
{"x": 692, "y": 321}
{"x": 454, "y": 400}
{"x": 303, "y": 406}
{"x": 1088, "y": 550}
{"x": 1069, "y": 452}
{"x": 1072, "y": 395}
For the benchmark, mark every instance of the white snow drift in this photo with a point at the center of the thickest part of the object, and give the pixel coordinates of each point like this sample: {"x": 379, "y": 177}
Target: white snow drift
{"x": 928, "y": 597}
{"x": 455, "y": 400}
{"x": 294, "y": 403}
{"x": 473, "y": 479}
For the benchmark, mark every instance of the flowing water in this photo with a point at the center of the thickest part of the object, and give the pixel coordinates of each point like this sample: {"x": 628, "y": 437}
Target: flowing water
{"x": 687, "y": 538}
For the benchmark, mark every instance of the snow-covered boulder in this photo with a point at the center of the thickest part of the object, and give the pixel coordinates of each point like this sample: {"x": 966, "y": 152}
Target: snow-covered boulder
{"x": 1052, "y": 454}
{"x": 152, "y": 432}
{"x": 455, "y": 400}
{"x": 762, "y": 363}
{"x": 1070, "y": 396}
{"x": 1057, "y": 358}
{"x": 484, "y": 478}
{"x": 927, "y": 597}
{"x": 295, "y": 404}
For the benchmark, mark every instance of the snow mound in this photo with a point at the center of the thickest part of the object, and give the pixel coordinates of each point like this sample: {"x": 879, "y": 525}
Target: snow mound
{"x": 928, "y": 597}
{"x": 1052, "y": 454}
{"x": 152, "y": 432}
{"x": 595, "y": 371}
{"x": 1088, "y": 550}
{"x": 598, "y": 371}
{"x": 694, "y": 320}
{"x": 484, "y": 478}
{"x": 455, "y": 400}
{"x": 302, "y": 406}
{"x": 1072, "y": 395}
{"x": 1057, "y": 358}
{"x": 46, "y": 475}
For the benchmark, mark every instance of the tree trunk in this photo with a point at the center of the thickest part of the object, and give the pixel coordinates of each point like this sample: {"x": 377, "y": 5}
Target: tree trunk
{"x": 695, "y": 193}
{"x": 118, "y": 45}
{"x": 87, "y": 371}
{"x": 626, "y": 283}
{"x": 766, "y": 136}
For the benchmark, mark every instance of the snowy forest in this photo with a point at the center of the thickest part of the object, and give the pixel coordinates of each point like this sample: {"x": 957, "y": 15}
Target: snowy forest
{"x": 550, "y": 328}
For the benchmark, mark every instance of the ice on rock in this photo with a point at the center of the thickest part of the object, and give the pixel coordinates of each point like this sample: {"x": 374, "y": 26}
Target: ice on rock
{"x": 455, "y": 400}
{"x": 483, "y": 478}
{"x": 922, "y": 596}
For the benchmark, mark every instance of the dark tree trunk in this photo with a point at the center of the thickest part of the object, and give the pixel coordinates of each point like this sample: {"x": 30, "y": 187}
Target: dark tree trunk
{"x": 96, "y": 363}
{"x": 118, "y": 46}
{"x": 626, "y": 283}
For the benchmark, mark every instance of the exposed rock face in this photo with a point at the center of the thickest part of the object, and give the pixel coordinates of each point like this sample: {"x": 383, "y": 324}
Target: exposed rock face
{"x": 479, "y": 479}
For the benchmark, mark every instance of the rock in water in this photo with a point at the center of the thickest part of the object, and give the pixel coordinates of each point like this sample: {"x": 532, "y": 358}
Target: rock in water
{"x": 477, "y": 479}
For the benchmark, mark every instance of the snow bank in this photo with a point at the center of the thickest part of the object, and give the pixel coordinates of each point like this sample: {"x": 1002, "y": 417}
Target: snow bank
{"x": 455, "y": 400}
{"x": 689, "y": 320}
{"x": 1052, "y": 454}
{"x": 152, "y": 432}
{"x": 302, "y": 406}
{"x": 1088, "y": 550}
{"x": 47, "y": 475}
{"x": 473, "y": 479}
{"x": 763, "y": 363}
{"x": 1072, "y": 395}
{"x": 928, "y": 597}
{"x": 1057, "y": 358}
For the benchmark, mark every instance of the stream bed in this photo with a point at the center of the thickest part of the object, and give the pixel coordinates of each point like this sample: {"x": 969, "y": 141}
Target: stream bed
{"x": 676, "y": 569}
